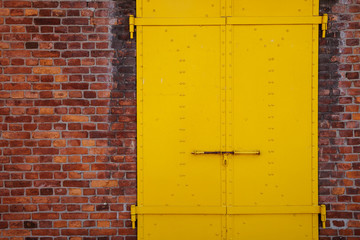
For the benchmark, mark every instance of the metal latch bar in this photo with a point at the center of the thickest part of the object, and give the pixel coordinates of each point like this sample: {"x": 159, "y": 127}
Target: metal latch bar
{"x": 228, "y": 152}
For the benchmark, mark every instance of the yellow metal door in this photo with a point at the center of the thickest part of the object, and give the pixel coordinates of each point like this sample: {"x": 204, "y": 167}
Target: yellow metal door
{"x": 272, "y": 108}
{"x": 180, "y": 195}
{"x": 227, "y": 119}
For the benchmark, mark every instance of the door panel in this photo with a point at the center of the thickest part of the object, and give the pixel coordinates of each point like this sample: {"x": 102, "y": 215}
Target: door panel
{"x": 179, "y": 91}
{"x": 278, "y": 8}
{"x": 185, "y": 90}
{"x": 273, "y": 227}
{"x": 276, "y": 86}
{"x": 273, "y": 113}
{"x": 181, "y": 9}
{"x": 166, "y": 227}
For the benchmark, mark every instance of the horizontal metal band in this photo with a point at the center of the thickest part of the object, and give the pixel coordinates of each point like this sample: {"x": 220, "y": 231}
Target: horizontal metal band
{"x": 274, "y": 20}
{"x": 228, "y": 21}
{"x": 228, "y": 210}
{"x": 181, "y": 210}
{"x": 273, "y": 210}
{"x": 180, "y": 21}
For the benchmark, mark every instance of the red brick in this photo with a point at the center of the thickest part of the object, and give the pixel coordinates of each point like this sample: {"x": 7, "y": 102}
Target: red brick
{"x": 18, "y": 20}
{"x": 45, "y": 232}
{"x": 74, "y": 232}
{"x": 106, "y": 232}
{"x": 16, "y": 135}
{"x": 45, "y": 216}
{"x": 17, "y": 4}
{"x": 74, "y": 183}
{"x": 17, "y": 232}
{"x": 354, "y": 9}
{"x": 75, "y": 21}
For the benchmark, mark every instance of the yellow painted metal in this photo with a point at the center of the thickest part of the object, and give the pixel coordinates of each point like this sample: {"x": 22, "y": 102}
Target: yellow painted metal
{"x": 131, "y": 26}
{"x": 324, "y": 25}
{"x": 171, "y": 98}
{"x": 133, "y": 216}
{"x": 274, "y": 20}
{"x": 180, "y": 21}
{"x": 323, "y": 215}
{"x": 232, "y": 79}
{"x": 228, "y": 21}
{"x": 261, "y": 210}
{"x": 181, "y": 210}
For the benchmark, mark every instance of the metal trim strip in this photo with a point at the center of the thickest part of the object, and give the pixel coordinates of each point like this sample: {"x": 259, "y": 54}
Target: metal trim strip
{"x": 228, "y": 21}
{"x": 274, "y": 20}
{"x": 180, "y": 21}
{"x": 273, "y": 210}
{"x": 181, "y": 210}
{"x": 228, "y": 210}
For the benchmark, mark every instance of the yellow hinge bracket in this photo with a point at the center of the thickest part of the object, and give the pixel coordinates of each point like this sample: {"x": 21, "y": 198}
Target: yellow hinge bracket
{"x": 323, "y": 215}
{"x": 133, "y": 216}
{"x": 324, "y": 24}
{"x": 131, "y": 26}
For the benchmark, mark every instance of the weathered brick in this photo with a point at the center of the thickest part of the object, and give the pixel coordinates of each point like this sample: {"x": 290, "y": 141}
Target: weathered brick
{"x": 47, "y": 70}
{"x": 104, "y": 183}
{"x": 16, "y": 135}
{"x": 47, "y": 21}
{"x": 75, "y": 118}
{"x": 42, "y": 135}
{"x": 17, "y": 4}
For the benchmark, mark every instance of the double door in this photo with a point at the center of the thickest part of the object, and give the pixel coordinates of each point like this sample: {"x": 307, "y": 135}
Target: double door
{"x": 227, "y": 119}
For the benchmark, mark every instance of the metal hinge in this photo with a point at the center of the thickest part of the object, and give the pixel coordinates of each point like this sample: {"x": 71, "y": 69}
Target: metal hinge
{"x": 324, "y": 24}
{"x": 131, "y": 26}
{"x": 133, "y": 216}
{"x": 323, "y": 215}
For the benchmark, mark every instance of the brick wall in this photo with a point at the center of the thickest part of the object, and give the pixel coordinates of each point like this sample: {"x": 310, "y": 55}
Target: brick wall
{"x": 339, "y": 129}
{"x": 68, "y": 119}
{"x": 67, "y": 115}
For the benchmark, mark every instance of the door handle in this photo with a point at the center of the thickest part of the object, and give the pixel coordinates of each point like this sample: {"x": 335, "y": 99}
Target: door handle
{"x": 257, "y": 152}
